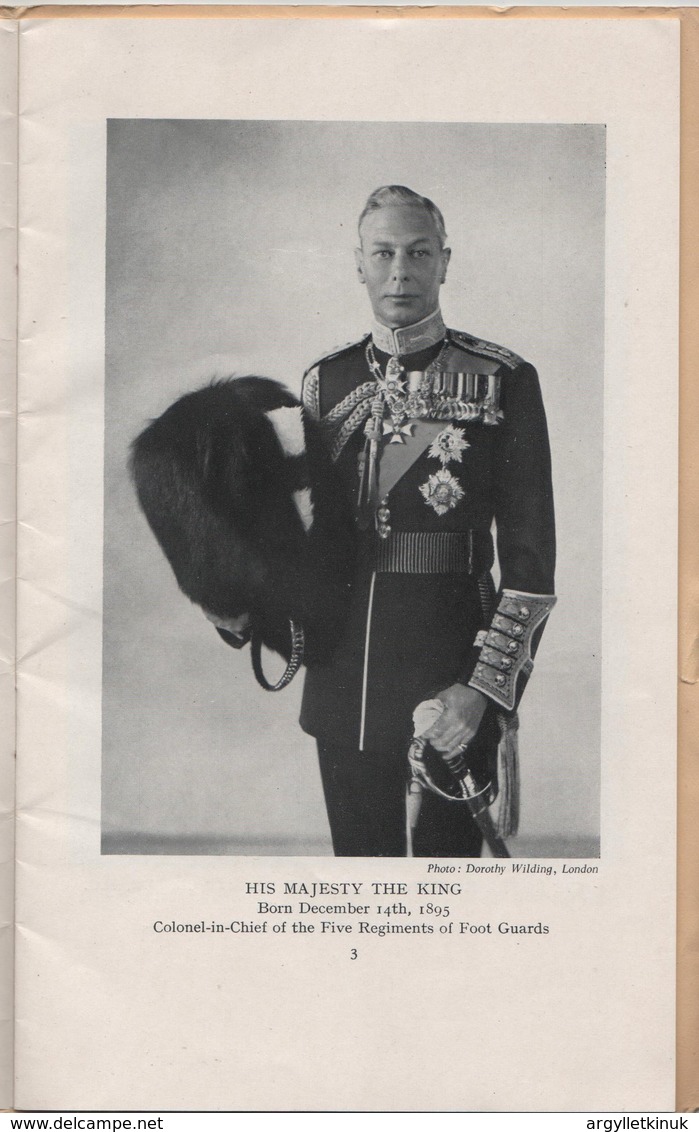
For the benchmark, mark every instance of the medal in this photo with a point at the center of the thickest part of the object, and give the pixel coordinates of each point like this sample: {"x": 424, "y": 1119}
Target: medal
{"x": 396, "y": 434}
{"x": 442, "y": 491}
{"x": 449, "y": 445}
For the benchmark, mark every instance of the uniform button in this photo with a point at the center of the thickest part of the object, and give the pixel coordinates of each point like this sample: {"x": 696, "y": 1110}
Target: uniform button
{"x": 524, "y": 613}
{"x": 512, "y": 647}
{"x": 384, "y": 514}
{"x": 500, "y": 679}
{"x": 506, "y": 663}
{"x": 517, "y": 630}
{"x": 384, "y": 532}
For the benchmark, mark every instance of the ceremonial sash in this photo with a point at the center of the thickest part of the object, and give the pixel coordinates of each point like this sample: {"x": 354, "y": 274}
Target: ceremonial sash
{"x": 396, "y": 459}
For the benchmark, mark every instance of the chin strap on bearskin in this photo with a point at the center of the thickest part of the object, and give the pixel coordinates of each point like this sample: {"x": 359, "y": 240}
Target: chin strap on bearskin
{"x": 242, "y": 496}
{"x": 293, "y": 664}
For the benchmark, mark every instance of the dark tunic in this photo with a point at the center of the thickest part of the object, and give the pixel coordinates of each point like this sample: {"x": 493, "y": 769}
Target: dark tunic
{"x": 411, "y": 634}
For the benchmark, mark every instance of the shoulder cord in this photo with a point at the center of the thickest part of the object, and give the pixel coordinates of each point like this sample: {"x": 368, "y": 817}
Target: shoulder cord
{"x": 345, "y": 417}
{"x": 349, "y": 426}
{"x": 350, "y": 402}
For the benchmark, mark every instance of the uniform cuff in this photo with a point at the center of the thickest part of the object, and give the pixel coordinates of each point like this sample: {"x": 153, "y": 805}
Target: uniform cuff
{"x": 505, "y": 659}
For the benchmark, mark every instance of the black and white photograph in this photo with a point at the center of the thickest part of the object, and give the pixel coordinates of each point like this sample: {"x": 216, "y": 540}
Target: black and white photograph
{"x": 353, "y": 488}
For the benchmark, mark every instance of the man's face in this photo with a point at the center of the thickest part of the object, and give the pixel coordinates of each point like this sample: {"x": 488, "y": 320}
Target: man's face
{"x": 402, "y": 263}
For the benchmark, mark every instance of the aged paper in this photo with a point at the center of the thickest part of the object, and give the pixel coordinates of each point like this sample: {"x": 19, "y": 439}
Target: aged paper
{"x": 9, "y": 34}
{"x": 242, "y": 1018}
{"x": 688, "y": 786}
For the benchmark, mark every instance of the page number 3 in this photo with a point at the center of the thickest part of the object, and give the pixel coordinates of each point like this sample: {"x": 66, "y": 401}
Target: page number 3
{"x": 353, "y": 953}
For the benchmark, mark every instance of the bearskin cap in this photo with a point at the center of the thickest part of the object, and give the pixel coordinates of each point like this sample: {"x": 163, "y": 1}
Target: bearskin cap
{"x": 240, "y": 492}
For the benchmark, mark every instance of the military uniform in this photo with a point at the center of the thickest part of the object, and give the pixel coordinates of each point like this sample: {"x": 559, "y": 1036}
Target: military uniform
{"x": 436, "y": 435}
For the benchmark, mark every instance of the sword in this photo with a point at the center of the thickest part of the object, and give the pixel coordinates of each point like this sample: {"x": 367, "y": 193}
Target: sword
{"x": 465, "y": 790}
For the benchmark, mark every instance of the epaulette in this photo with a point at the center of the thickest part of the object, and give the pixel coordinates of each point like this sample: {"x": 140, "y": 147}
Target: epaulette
{"x": 310, "y": 386}
{"x": 337, "y": 352}
{"x": 486, "y": 349}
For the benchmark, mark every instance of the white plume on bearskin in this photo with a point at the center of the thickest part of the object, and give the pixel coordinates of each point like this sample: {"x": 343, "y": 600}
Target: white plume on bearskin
{"x": 288, "y": 425}
{"x": 245, "y": 503}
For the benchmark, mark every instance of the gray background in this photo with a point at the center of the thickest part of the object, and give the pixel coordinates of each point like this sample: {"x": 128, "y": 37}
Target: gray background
{"x": 229, "y": 250}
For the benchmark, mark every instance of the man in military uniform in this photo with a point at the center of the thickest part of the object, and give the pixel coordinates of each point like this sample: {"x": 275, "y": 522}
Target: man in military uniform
{"x": 436, "y": 434}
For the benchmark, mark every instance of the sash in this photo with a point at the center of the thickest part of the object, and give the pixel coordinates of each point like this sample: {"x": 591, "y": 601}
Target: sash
{"x": 396, "y": 459}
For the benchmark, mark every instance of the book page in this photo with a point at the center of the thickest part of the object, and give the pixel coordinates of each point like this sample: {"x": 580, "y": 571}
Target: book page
{"x": 175, "y": 867}
{"x": 9, "y": 35}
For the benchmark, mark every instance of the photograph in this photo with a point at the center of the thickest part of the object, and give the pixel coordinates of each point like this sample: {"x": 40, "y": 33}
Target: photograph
{"x": 353, "y": 427}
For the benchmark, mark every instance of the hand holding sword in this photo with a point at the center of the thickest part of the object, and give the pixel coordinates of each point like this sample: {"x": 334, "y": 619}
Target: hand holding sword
{"x": 458, "y": 722}
{"x": 442, "y": 723}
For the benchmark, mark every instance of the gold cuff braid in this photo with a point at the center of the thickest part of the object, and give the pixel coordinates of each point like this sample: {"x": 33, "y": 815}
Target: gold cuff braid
{"x": 506, "y": 652}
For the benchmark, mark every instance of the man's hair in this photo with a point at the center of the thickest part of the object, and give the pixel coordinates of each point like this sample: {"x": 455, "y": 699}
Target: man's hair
{"x": 401, "y": 194}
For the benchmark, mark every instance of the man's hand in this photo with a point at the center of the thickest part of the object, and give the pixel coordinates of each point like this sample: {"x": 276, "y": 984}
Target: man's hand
{"x": 238, "y": 627}
{"x": 457, "y": 725}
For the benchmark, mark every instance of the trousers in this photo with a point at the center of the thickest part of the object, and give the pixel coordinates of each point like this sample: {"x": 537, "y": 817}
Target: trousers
{"x": 365, "y": 795}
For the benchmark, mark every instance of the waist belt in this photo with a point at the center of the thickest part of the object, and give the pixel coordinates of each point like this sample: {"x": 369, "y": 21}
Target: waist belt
{"x": 428, "y": 552}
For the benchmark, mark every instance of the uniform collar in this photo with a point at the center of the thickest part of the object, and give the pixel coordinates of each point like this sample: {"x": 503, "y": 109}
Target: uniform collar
{"x": 409, "y": 339}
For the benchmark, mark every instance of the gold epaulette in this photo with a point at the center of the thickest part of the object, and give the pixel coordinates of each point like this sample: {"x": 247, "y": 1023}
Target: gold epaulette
{"x": 485, "y": 349}
{"x": 310, "y": 386}
{"x": 327, "y": 357}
